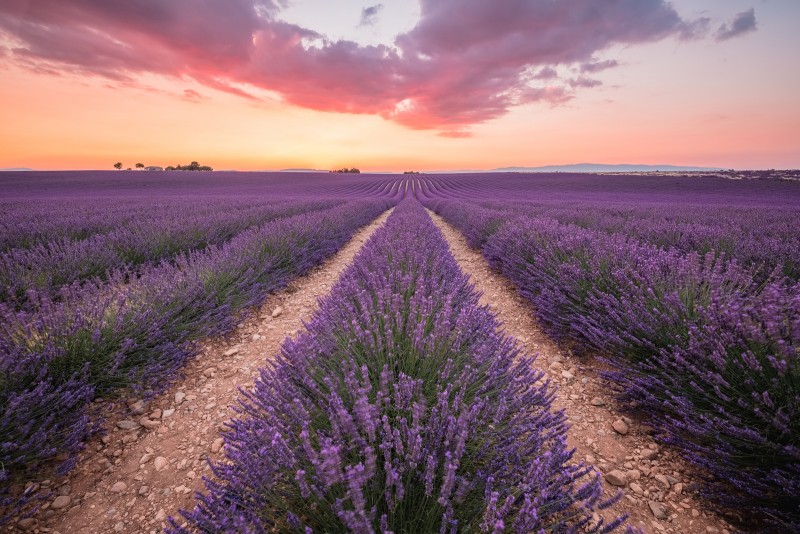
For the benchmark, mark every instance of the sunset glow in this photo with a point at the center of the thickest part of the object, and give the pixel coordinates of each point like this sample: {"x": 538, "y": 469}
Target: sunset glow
{"x": 399, "y": 85}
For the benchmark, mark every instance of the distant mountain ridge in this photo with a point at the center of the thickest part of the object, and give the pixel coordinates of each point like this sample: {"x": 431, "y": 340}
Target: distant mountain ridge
{"x": 602, "y": 167}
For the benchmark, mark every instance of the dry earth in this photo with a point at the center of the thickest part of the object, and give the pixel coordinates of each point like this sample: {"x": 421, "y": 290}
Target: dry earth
{"x": 655, "y": 480}
{"x": 150, "y": 463}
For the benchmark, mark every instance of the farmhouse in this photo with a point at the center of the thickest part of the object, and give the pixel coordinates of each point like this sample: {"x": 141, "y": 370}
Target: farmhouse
{"x": 154, "y": 168}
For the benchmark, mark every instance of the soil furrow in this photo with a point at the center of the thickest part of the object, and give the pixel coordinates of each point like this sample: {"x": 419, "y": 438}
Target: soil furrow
{"x": 656, "y": 482}
{"x": 150, "y": 464}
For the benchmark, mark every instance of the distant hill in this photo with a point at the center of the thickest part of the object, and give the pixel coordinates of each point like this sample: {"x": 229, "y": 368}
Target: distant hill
{"x": 600, "y": 167}
{"x": 301, "y": 170}
{"x": 17, "y": 169}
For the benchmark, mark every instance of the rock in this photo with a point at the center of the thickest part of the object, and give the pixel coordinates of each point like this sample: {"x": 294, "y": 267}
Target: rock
{"x": 64, "y": 490}
{"x": 127, "y": 424}
{"x": 26, "y": 524}
{"x": 161, "y": 515}
{"x": 658, "y": 509}
{"x": 277, "y": 311}
{"x": 62, "y": 501}
{"x": 179, "y": 396}
{"x": 119, "y": 487}
{"x": 230, "y": 352}
{"x": 156, "y": 414}
{"x": 567, "y": 375}
{"x": 144, "y": 490}
{"x": 620, "y": 427}
{"x": 217, "y": 445}
{"x": 662, "y": 480}
{"x": 146, "y": 458}
{"x": 597, "y": 401}
{"x": 637, "y": 489}
{"x": 210, "y": 372}
{"x": 649, "y": 454}
{"x": 695, "y": 512}
{"x": 616, "y": 478}
{"x": 678, "y": 488}
{"x": 160, "y": 463}
{"x": 634, "y": 474}
{"x": 167, "y": 413}
{"x": 149, "y": 423}
{"x": 255, "y": 337}
{"x": 137, "y": 408}
{"x": 712, "y": 530}
{"x": 119, "y": 527}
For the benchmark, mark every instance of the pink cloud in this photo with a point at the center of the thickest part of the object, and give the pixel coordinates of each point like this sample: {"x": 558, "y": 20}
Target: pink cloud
{"x": 192, "y": 96}
{"x": 465, "y": 62}
{"x": 597, "y": 66}
{"x": 742, "y": 23}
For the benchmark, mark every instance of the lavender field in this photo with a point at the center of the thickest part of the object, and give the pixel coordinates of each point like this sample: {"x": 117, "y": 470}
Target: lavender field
{"x": 402, "y": 406}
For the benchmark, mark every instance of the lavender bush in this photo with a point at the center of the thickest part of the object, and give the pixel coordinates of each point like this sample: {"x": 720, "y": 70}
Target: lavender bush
{"x": 402, "y": 409}
{"x": 139, "y": 332}
{"x": 730, "y": 398}
{"x": 702, "y": 345}
{"x": 47, "y": 267}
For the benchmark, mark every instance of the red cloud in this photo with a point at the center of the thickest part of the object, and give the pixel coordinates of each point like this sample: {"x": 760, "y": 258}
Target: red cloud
{"x": 465, "y": 62}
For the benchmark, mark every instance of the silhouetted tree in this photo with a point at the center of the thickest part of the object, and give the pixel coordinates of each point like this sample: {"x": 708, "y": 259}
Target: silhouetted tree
{"x": 140, "y": 165}
{"x": 193, "y": 166}
{"x": 118, "y": 165}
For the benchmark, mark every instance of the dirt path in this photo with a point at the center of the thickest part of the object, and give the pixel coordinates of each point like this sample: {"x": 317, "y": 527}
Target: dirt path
{"x": 655, "y": 481}
{"x": 149, "y": 465}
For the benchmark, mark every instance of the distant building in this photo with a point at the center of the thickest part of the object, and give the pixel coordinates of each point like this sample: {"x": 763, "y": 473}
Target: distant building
{"x": 154, "y": 168}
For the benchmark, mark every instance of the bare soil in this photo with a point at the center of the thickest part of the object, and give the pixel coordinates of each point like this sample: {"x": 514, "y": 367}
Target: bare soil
{"x": 654, "y": 479}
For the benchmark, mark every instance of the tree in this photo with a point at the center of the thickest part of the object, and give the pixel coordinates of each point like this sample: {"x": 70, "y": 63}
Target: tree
{"x": 193, "y": 166}
{"x": 140, "y": 165}
{"x": 118, "y": 165}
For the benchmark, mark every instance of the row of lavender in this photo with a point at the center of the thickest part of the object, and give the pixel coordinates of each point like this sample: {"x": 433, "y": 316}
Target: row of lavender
{"x": 28, "y": 274}
{"x": 400, "y": 409}
{"x": 765, "y": 239}
{"x": 137, "y": 330}
{"x": 709, "y": 348}
{"x": 27, "y": 222}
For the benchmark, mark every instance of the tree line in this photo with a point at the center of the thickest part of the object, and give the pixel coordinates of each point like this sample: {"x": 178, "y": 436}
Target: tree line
{"x": 193, "y": 166}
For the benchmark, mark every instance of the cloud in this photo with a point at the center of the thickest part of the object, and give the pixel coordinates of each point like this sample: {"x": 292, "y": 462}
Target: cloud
{"x": 744, "y": 22}
{"x": 547, "y": 73}
{"x": 369, "y": 15}
{"x": 192, "y": 96}
{"x": 597, "y": 66}
{"x": 585, "y": 82}
{"x": 465, "y": 62}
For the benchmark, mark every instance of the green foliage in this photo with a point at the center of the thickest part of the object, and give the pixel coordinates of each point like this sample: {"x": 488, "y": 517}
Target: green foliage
{"x": 193, "y": 166}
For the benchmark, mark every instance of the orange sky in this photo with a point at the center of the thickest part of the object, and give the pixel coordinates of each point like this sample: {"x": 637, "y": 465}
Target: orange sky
{"x": 730, "y": 103}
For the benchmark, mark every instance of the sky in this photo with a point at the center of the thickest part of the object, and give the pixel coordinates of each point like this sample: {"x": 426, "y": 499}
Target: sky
{"x": 394, "y": 85}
